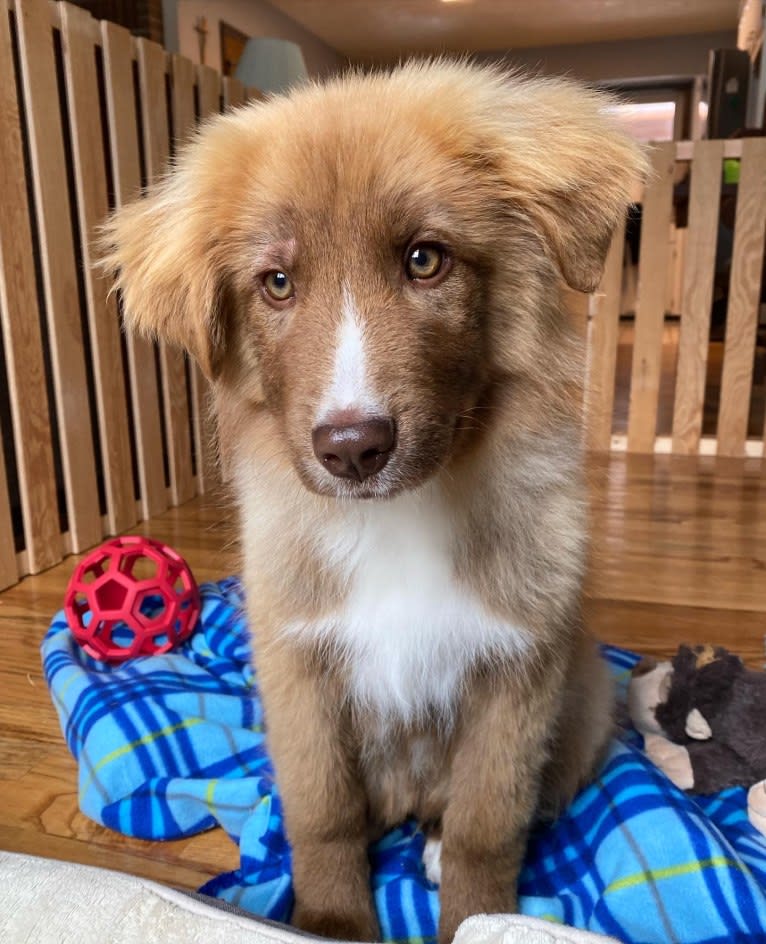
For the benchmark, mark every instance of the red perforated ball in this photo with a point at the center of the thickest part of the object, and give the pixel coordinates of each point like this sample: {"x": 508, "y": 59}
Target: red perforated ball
{"x": 132, "y": 596}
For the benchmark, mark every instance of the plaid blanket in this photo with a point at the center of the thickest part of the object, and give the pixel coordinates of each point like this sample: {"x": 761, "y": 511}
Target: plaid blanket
{"x": 171, "y": 745}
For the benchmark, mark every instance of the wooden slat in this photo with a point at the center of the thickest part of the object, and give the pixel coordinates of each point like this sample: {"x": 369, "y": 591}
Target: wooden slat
{"x": 233, "y": 92}
{"x": 9, "y": 569}
{"x": 650, "y": 310}
{"x": 182, "y": 99}
{"x": 59, "y": 272}
{"x": 152, "y": 67}
{"x": 744, "y": 291}
{"x": 208, "y": 472}
{"x": 697, "y": 295}
{"x": 21, "y": 333}
{"x": 603, "y": 346}
{"x": 685, "y": 149}
{"x": 126, "y": 171}
{"x": 92, "y": 208}
{"x": 209, "y": 92}
{"x": 184, "y": 123}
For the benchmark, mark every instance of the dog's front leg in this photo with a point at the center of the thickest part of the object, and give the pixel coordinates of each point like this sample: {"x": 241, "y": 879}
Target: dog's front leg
{"x": 495, "y": 778}
{"x": 324, "y": 801}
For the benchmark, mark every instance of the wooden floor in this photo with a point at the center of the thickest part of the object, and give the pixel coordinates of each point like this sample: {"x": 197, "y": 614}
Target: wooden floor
{"x": 679, "y": 553}
{"x": 38, "y": 812}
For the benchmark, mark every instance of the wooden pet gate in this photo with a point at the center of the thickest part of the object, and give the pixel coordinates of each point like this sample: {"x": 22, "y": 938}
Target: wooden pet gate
{"x": 712, "y": 225}
{"x": 100, "y": 430}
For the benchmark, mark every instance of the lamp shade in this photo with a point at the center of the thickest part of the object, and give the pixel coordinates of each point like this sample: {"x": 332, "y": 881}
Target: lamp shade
{"x": 271, "y": 65}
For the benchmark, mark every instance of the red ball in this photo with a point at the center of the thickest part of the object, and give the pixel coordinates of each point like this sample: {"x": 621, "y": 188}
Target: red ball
{"x": 132, "y": 596}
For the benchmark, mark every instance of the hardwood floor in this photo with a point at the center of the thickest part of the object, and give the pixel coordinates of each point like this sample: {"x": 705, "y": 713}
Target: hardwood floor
{"x": 38, "y": 777}
{"x": 679, "y": 553}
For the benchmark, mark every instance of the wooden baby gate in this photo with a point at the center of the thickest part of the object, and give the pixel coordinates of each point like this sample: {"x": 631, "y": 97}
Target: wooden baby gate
{"x": 102, "y": 430}
{"x": 99, "y": 430}
{"x": 693, "y": 268}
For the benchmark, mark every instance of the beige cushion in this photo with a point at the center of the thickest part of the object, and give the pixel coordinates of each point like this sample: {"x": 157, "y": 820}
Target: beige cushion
{"x": 48, "y": 902}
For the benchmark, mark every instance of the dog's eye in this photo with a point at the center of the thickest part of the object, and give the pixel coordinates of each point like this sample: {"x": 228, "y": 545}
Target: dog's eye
{"x": 277, "y": 285}
{"x": 424, "y": 261}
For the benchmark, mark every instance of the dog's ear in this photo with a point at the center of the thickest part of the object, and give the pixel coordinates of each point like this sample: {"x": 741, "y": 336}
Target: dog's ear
{"x": 162, "y": 254}
{"x": 572, "y": 168}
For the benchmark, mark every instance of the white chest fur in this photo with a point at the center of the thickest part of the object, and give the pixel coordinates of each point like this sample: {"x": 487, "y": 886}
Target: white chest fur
{"x": 408, "y": 630}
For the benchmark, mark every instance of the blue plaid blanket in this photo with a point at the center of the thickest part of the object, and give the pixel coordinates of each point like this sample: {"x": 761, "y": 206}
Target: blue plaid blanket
{"x": 171, "y": 745}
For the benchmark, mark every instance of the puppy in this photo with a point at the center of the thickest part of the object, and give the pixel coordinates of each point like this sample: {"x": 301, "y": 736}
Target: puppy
{"x": 370, "y": 273}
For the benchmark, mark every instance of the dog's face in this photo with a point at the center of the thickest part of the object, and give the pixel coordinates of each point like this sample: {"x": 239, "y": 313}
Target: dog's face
{"x": 365, "y": 260}
{"x": 363, "y": 295}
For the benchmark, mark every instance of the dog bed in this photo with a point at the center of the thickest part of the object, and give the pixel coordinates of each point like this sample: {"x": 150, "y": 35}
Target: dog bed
{"x": 45, "y": 901}
{"x": 172, "y": 745}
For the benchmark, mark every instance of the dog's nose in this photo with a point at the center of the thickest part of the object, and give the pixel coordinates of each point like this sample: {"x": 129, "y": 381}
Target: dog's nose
{"x": 357, "y": 450}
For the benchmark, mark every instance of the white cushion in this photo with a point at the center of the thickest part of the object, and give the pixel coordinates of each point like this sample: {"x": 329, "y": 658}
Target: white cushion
{"x": 45, "y": 901}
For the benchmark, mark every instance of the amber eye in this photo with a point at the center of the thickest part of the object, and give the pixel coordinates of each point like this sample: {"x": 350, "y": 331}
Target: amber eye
{"x": 277, "y": 285}
{"x": 424, "y": 261}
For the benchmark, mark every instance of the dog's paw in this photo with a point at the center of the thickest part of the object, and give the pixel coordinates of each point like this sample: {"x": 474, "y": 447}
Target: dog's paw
{"x": 361, "y": 926}
{"x": 432, "y": 860}
{"x": 672, "y": 759}
{"x": 481, "y": 883}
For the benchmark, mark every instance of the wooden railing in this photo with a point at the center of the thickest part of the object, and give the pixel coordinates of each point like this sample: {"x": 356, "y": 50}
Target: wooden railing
{"x": 703, "y": 161}
{"x": 99, "y": 430}
{"x": 102, "y": 430}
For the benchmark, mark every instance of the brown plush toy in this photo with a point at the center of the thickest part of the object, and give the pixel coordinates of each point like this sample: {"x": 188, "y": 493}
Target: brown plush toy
{"x": 702, "y": 716}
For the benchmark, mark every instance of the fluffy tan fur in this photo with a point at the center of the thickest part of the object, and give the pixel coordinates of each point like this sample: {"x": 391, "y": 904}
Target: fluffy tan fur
{"x": 522, "y": 180}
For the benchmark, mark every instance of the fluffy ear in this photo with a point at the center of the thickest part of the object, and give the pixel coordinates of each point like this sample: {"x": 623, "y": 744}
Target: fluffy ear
{"x": 160, "y": 251}
{"x": 572, "y": 168}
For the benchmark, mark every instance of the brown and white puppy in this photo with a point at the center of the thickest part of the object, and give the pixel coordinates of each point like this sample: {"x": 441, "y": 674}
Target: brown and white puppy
{"x": 370, "y": 272}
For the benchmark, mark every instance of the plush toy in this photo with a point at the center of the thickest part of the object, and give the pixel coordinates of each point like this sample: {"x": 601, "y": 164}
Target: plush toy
{"x": 702, "y": 717}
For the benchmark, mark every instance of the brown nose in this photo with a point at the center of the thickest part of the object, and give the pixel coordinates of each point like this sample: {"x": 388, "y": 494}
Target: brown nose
{"x": 355, "y": 451}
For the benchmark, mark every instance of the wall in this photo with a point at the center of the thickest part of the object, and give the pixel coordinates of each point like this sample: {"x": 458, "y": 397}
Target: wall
{"x": 170, "y": 25}
{"x": 756, "y": 106}
{"x": 252, "y": 17}
{"x": 627, "y": 59}
{"x": 141, "y": 17}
